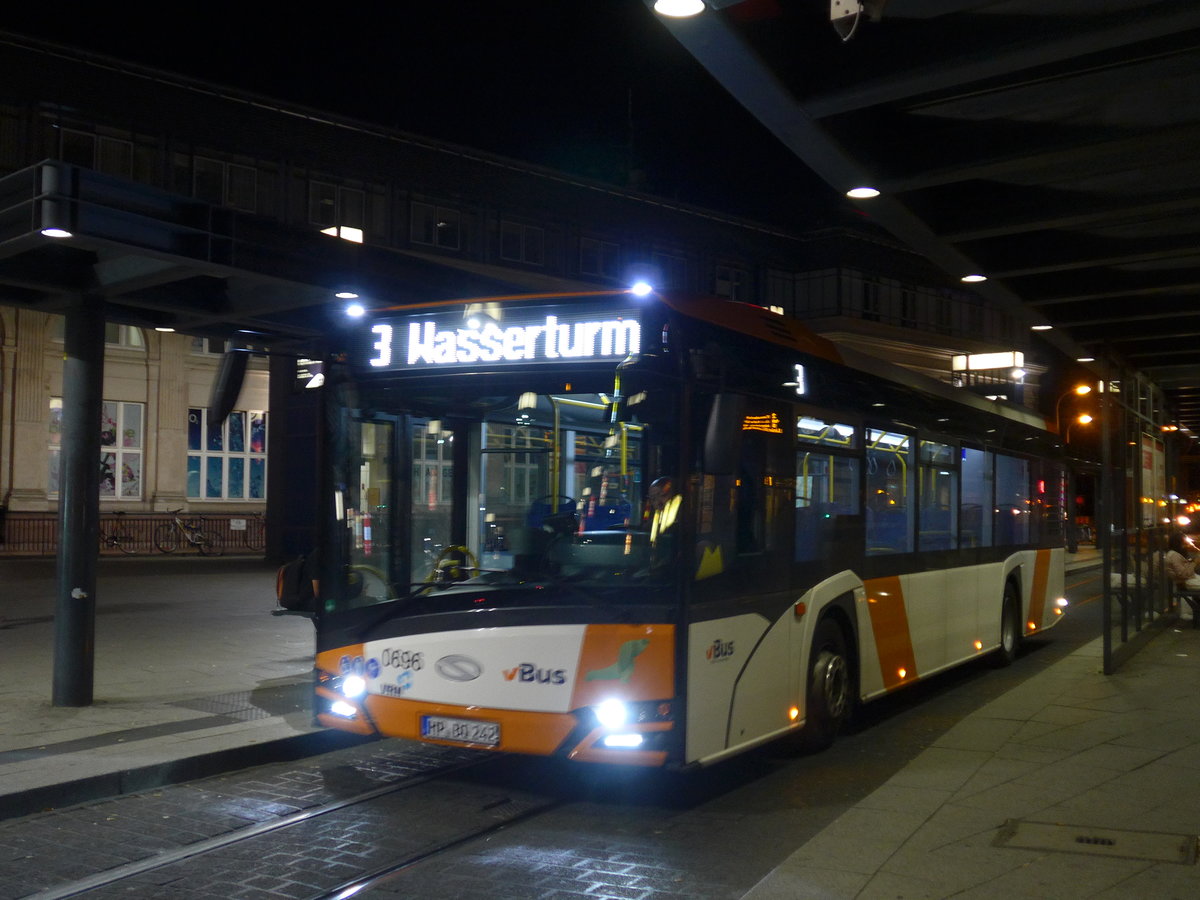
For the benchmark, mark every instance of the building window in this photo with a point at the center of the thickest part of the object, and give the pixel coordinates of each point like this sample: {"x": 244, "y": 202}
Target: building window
{"x": 599, "y": 258}
{"x": 522, "y": 243}
{"x": 227, "y": 461}
{"x": 224, "y": 184}
{"x": 436, "y": 226}
{"x": 128, "y": 337}
{"x": 337, "y": 210}
{"x": 104, "y": 154}
{"x": 122, "y": 437}
{"x": 730, "y": 283}
{"x": 672, "y": 270}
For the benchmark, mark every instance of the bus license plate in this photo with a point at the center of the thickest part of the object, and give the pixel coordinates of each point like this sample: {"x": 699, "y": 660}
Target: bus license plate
{"x": 461, "y": 731}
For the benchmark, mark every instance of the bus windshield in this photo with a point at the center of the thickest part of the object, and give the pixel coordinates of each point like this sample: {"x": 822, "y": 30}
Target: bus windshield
{"x": 527, "y": 489}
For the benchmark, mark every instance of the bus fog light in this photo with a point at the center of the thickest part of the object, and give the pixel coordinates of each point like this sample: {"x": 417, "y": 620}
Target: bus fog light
{"x": 612, "y": 713}
{"x": 623, "y": 741}
{"x": 354, "y": 686}
{"x": 343, "y": 709}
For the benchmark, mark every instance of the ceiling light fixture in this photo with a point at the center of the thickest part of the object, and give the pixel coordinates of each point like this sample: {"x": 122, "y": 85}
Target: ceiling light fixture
{"x": 1041, "y": 327}
{"x": 973, "y": 279}
{"x": 679, "y": 9}
{"x": 862, "y": 193}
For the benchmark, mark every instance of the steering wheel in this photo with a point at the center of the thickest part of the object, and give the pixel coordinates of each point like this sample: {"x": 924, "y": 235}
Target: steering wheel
{"x": 452, "y": 564}
{"x": 556, "y": 519}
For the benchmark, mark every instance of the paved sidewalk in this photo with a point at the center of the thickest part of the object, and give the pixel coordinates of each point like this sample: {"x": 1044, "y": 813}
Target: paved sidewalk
{"x": 1074, "y": 784}
{"x": 192, "y": 673}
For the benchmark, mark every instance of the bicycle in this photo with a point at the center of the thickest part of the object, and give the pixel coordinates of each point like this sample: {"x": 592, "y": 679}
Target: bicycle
{"x": 168, "y": 537}
{"x": 117, "y": 538}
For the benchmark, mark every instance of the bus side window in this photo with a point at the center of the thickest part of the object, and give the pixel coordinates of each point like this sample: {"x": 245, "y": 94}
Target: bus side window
{"x": 889, "y": 492}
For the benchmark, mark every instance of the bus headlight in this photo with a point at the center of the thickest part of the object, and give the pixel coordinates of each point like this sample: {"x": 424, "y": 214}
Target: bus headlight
{"x": 354, "y": 686}
{"x": 612, "y": 713}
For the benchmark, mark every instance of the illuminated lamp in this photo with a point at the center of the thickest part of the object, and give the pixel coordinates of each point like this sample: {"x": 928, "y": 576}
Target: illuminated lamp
{"x": 56, "y": 233}
{"x": 973, "y": 279}
{"x": 356, "y": 310}
{"x": 641, "y": 288}
{"x": 862, "y": 193}
{"x": 346, "y": 295}
{"x": 679, "y": 9}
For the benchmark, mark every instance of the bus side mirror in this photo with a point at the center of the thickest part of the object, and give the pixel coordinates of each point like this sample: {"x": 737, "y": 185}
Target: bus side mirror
{"x": 722, "y": 436}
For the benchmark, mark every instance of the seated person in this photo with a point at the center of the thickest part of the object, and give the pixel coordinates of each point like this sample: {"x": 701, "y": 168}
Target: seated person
{"x": 1181, "y": 568}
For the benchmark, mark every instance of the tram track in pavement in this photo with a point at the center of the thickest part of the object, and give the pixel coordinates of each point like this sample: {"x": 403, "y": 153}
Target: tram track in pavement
{"x": 123, "y": 878}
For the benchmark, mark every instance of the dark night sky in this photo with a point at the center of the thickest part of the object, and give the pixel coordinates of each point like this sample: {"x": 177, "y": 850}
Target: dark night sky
{"x": 579, "y": 85}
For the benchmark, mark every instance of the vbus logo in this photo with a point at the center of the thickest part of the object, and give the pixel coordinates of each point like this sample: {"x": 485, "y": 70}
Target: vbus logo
{"x": 528, "y": 673}
{"x": 718, "y": 650}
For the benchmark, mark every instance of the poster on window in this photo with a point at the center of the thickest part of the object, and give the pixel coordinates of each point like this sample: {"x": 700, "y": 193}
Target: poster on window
{"x": 108, "y": 474}
{"x": 131, "y": 475}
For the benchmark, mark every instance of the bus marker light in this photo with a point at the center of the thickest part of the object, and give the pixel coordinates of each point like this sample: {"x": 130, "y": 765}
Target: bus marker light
{"x": 1032, "y": 626}
{"x": 801, "y": 609}
{"x": 628, "y": 741}
{"x": 903, "y": 673}
{"x": 1057, "y": 611}
{"x": 343, "y": 709}
{"x": 979, "y": 645}
{"x": 794, "y": 713}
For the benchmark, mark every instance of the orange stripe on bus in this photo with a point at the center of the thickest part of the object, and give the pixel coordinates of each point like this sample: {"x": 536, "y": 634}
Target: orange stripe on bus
{"x": 889, "y": 622}
{"x": 1037, "y": 599}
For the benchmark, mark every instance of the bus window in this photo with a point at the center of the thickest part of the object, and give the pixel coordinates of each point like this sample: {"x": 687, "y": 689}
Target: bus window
{"x": 976, "y": 508}
{"x": 1012, "y": 500}
{"x": 369, "y": 515}
{"x": 938, "y": 490}
{"x": 889, "y": 490}
{"x": 432, "y": 493}
{"x": 826, "y": 486}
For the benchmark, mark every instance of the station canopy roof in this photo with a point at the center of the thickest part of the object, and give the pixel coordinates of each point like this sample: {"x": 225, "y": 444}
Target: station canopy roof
{"x": 1049, "y": 145}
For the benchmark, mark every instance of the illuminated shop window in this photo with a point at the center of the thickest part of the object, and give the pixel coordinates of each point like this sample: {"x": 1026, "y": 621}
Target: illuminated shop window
{"x": 228, "y": 461}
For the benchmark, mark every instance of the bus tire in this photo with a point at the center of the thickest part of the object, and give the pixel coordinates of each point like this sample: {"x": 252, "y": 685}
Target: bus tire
{"x": 830, "y": 690}
{"x": 1010, "y": 627}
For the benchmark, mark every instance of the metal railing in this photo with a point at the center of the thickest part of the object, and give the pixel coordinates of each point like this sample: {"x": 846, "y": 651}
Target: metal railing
{"x": 34, "y": 534}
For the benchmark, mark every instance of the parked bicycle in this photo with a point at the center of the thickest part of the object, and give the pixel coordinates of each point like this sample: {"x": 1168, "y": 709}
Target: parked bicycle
{"x": 168, "y": 537}
{"x": 116, "y": 537}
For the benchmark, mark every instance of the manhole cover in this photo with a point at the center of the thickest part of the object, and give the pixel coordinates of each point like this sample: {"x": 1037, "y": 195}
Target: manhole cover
{"x": 1148, "y": 845}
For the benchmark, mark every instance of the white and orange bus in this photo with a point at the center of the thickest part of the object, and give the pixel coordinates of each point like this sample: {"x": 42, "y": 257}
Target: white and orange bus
{"x": 497, "y": 570}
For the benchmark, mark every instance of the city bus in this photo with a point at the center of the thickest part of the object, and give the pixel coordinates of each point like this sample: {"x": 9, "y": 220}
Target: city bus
{"x": 643, "y": 529}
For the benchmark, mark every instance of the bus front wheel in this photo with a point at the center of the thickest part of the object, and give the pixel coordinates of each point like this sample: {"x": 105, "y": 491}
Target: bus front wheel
{"x": 1010, "y": 627}
{"x": 830, "y": 692}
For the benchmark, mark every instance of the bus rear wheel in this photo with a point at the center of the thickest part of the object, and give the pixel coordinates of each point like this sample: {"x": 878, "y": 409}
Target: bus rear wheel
{"x": 830, "y": 690}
